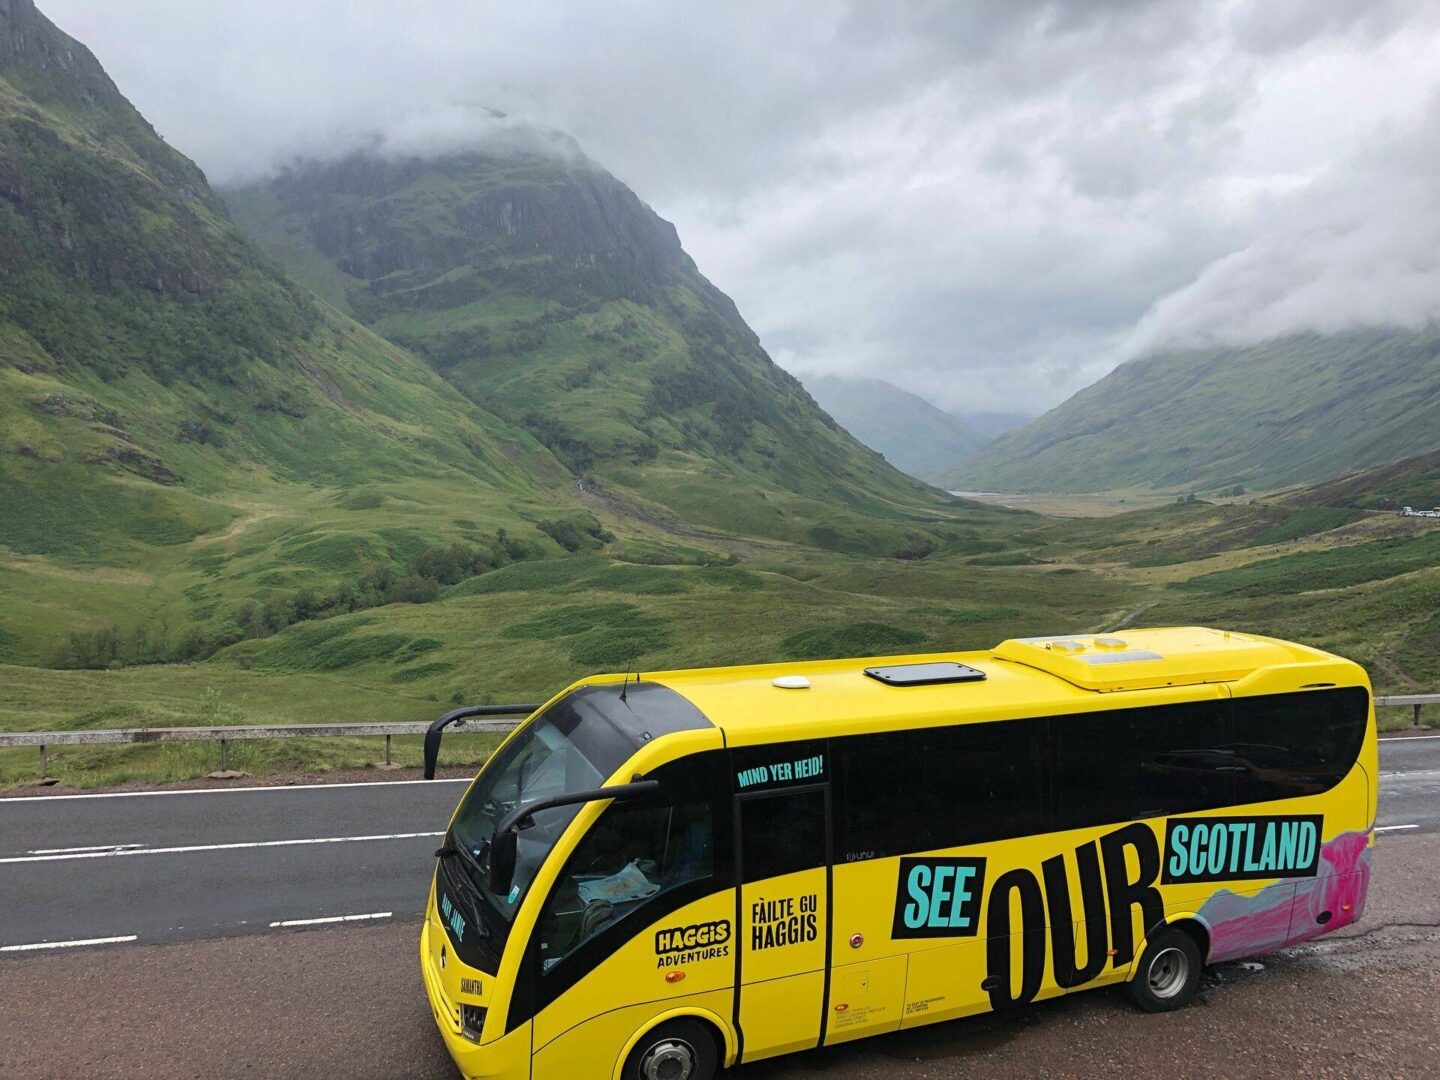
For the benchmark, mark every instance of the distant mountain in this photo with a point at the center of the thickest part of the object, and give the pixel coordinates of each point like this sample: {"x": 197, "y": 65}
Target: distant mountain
{"x": 546, "y": 291}
{"x": 914, "y": 435}
{"x": 994, "y": 424}
{"x": 1289, "y": 411}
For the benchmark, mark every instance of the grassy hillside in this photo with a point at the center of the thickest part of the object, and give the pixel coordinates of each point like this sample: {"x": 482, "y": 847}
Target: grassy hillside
{"x": 1413, "y": 482}
{"x": 915, "y": 436}
{"x": 549, "y": 293}
{"x": 1294, "y": 410}
{"x": 192, "y": 451}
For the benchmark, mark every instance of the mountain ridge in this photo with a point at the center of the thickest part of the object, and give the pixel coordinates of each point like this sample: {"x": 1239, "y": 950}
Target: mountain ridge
{"x": 1293, "y": 410}
{"x": 545, "y": 289}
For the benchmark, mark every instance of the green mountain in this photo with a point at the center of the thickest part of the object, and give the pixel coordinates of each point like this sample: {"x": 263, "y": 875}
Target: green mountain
{"x": 914, "y": 435}
{"x": 191, "y": 447}
{"x": 546, "y": 291}
{"x": 1288, "y": 411}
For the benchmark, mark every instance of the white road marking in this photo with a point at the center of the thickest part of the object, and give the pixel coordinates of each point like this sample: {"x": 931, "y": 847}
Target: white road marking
{"x": 332, "y": 919}
{"x": 1392, "y": 828}
{"x": 1408, "y": 738}
{"x": 72, "y": 850}
{"x": 67, "y": 944}
{"x": 115, "y": 853}
{"x": 230, "y": 790}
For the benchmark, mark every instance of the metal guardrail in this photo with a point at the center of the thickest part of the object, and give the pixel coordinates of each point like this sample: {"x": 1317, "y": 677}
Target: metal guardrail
{"x": 234, "y": 732}
{"x": 1415, "y": 701}
{"x": 224, "y": 735}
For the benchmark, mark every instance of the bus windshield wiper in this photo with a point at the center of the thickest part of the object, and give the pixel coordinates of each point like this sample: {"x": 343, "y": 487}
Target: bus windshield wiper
{"x": 450, "y": 850}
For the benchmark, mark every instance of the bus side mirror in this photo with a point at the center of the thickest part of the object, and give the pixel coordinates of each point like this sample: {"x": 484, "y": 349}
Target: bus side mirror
{"x": 503, "y": 849}
{"x": 436, "y": 730}
{"x": 432, "y": 751}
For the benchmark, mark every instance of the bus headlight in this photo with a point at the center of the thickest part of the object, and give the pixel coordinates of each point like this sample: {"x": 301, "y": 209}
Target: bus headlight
{"x": 472, "y": 1021}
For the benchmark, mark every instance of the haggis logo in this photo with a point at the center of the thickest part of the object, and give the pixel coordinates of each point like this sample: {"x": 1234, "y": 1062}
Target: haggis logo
{"x": 687, "y": 944}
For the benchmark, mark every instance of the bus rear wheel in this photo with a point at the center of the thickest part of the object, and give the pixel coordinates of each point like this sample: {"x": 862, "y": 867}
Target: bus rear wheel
{"x": 676, "y": 1050}
{"x": 1169, "y": 973}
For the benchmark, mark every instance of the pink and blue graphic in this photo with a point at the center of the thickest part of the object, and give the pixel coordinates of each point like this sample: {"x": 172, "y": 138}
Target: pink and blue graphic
{"x": 1291, "y": 912}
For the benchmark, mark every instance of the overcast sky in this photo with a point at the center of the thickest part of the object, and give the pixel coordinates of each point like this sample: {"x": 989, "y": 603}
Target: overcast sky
{"x": 989, "y": 203}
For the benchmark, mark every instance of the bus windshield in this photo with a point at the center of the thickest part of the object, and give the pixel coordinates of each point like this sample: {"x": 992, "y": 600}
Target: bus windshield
{"x": 569, "y": 747}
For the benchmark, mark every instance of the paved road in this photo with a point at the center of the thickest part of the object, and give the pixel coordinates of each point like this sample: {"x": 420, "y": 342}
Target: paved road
{"x": 211, "y": 863}
{"x": 175, "y": 866}
{"x": 184, "y": 876}
{"x": 1410, "y": 783}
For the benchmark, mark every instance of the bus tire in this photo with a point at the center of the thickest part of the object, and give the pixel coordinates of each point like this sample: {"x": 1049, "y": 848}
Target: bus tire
{"x": 1168, "y": 974}
{"x": 676, "y": 1050}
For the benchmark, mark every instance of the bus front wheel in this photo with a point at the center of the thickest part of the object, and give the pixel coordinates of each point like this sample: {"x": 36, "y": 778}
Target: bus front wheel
{"x": 676, "y": 1050}
{"x": 1169, "y": 973}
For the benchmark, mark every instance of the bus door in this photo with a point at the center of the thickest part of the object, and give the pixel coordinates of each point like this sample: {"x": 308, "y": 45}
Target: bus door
{"x": 783, "y": 844}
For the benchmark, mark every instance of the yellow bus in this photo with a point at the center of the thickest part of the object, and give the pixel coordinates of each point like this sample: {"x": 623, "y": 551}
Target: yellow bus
{"x": 659, "y": 876}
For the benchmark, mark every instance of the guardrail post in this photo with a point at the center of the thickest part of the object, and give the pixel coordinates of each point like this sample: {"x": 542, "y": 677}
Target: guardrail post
{"x": 224, "y": 764}
{"x": 43, "y": 763}
{"x": 387, "y": 749}
{"x": 1417, "y": 714}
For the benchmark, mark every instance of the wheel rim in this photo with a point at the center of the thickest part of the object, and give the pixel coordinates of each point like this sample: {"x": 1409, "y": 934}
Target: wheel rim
{"x": 669, "y": 1059}
{"x": 1168, "y": 973}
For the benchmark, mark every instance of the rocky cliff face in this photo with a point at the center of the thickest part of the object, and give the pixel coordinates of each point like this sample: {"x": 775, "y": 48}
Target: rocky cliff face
{"x": 580, "y": 220}
{"x": 28, "y": 38}
{"x": 53, "y": 70}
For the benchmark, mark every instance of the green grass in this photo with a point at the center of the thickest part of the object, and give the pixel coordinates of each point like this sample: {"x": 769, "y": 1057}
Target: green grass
{"x": 855, "y": 639}
{"x": 1307, "y": 522}
{"x": 1335, "y": 568}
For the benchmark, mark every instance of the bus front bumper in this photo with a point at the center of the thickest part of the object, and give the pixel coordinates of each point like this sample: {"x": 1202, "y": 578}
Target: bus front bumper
{"x": 506, "y": 1058}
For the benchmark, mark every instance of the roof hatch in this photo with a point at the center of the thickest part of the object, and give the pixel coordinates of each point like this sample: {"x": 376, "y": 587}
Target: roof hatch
{"x": 924, "y": 674}
{"x": 1143, "y": 659}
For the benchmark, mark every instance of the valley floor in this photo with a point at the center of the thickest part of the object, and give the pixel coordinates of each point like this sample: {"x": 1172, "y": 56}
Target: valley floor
{"x": 1362, "y": 584}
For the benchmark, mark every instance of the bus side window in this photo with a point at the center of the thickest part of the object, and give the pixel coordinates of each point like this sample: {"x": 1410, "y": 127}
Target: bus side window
{"x": 781, "y": 833}
{"x": 1290, "y": 745}
{"x": 940, "y": 787}
{"x": 1130, "y": 764}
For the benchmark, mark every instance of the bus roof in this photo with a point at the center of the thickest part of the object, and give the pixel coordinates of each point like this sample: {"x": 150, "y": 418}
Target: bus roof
{"x": 1024, "y": 676}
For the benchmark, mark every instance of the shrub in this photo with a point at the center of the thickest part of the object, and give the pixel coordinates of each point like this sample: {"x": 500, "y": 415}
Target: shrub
{"x": 856, "y": 639}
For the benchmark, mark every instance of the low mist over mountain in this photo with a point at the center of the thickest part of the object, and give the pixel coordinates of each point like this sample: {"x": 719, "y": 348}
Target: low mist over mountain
{"x": 914, "y": 435}
{"x": 1292, "y": 410}
{"x": 545, "y": 290}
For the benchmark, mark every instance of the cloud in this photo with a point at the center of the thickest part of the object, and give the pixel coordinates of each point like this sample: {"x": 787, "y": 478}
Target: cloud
{"x": 989, "y": 202}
